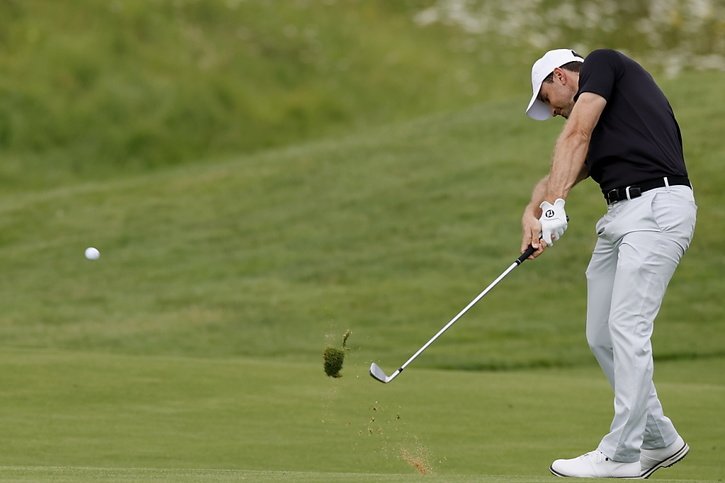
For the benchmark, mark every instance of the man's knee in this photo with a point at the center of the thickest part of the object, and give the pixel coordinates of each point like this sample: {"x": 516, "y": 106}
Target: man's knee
{"x": 598, "y": 338}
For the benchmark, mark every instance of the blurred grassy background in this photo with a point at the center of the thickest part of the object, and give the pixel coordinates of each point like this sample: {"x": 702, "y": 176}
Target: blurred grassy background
{"x": 103, "y": 88}
{"x": 95, "y": 88}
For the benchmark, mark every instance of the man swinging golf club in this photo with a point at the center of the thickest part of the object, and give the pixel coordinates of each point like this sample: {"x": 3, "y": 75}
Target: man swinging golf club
{"x": 621, "y": 132}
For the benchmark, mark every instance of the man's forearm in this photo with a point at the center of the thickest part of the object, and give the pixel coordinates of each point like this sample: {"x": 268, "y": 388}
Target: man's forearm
{"x": 567, "y": 165}
{"x": 537, "y": 196}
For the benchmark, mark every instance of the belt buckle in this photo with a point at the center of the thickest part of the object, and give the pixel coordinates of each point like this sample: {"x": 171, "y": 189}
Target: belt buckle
{"x": 612, "y": 196}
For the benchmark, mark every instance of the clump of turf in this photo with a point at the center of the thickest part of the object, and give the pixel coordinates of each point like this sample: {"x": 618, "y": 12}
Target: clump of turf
{"x": 334, "y": 357}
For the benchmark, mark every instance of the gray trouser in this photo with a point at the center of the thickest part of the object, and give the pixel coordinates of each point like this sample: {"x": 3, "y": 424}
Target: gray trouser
{"x": 640, "y": 243}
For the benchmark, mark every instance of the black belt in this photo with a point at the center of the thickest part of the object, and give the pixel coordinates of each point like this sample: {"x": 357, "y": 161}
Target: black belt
{"x": 636, "y": 190}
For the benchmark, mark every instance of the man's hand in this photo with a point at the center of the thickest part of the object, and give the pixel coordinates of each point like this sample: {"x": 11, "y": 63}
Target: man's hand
{"x": 553, "y": 221}
{"x": 531, "y": 234}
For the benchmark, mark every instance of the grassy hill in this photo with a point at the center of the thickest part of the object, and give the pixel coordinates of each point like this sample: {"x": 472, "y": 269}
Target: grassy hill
{"x": 387, "y": 232}
{"x": 93, "y": 89}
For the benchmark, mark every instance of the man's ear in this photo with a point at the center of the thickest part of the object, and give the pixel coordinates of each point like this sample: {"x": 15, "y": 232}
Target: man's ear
{"x": 561, "y": 75}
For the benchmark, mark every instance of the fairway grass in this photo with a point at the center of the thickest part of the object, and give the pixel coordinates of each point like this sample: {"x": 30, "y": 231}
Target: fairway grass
{"x": 74, "y": 416}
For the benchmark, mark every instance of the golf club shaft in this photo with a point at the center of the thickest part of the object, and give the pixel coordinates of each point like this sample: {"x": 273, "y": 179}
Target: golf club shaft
{"x": 529, "y": 251}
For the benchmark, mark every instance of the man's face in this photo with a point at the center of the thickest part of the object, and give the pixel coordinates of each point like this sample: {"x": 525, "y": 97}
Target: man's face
{"x": 559, "y": 94}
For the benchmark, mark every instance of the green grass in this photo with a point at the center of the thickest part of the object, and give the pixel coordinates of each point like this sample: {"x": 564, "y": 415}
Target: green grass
{"x": 91, "y": 89}
{"x": 339, "y": 167}
{"x": 97, "y": 88}
{"x": 387, "y": 232}
{"x": 84, "y": 416}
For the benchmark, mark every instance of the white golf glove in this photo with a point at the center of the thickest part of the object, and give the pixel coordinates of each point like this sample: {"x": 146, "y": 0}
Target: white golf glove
{"x": 553, "y": 221}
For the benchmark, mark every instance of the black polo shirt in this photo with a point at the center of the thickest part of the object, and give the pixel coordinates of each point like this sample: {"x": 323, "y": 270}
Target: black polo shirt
{"x": 637, "y": 137}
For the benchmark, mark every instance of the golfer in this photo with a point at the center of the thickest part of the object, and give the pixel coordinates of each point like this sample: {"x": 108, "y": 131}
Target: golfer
{"x": 620, "y": 131}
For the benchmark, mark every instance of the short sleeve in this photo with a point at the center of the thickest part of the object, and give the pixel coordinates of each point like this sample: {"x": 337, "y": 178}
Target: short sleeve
{"x": 599, "y": 73}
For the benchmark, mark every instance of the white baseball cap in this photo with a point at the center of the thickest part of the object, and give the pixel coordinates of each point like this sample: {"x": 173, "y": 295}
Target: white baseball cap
{"x": 540, "y": 70}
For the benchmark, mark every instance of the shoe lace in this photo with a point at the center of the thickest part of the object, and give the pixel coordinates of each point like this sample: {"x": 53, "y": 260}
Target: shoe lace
{"x": 597, "y": 456}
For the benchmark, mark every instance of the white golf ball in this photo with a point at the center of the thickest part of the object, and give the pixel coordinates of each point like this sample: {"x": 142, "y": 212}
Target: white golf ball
{"x": 92, "y": 253}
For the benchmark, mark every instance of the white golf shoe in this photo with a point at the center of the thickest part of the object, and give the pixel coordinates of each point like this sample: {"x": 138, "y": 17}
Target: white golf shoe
{"x": 595, "y": 465}
{"x": 654, "y": 459}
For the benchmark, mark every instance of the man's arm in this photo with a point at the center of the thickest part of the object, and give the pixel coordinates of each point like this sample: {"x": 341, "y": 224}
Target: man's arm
{"x": 568, "y": 166}
{"x": 572, "y": 145}
{"x": 530, "y": 225}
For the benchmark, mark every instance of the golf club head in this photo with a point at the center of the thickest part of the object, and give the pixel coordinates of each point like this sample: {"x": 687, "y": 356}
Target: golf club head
{"x": 378, "y": 373}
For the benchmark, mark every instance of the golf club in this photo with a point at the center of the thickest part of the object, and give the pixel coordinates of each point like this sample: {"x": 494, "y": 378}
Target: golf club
{"x": 377, "y": 373}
